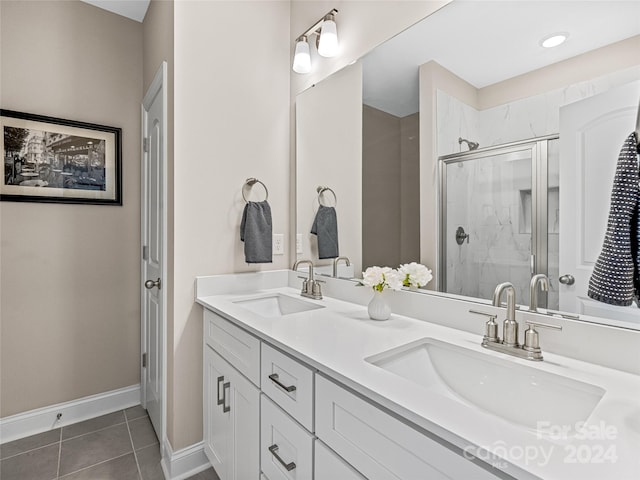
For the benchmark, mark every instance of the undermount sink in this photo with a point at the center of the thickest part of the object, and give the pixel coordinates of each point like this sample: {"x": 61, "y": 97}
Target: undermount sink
{"x": 523, "y": 395}
{"x": 276, "y": 305}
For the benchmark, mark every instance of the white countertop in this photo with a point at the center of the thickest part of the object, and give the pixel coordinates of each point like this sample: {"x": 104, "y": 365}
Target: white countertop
{"x": 336, "y": 339}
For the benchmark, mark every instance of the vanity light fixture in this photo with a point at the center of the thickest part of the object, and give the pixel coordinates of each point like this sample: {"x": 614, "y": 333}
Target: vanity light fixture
{"x": 302, "y": 57}
{"x": 328, "y": 40}
{"x": 326, "y": 33}
{"x": 554, "y": 40}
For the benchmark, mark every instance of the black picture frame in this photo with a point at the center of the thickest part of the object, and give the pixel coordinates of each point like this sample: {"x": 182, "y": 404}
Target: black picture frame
{"x": 53, "y": 160}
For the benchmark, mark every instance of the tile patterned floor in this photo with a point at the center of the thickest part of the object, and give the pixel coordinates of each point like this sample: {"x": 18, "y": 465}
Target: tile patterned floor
{"x": 118, "y": 446}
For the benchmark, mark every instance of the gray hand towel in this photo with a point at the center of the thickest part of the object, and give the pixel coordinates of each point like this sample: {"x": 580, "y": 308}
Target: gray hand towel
{"x": 615, "y": 275}
{"x": 325, "y": 226}
{"x": 256, "y": 232}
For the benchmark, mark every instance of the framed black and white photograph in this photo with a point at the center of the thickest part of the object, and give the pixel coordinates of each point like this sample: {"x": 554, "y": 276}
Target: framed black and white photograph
{"x": 53, "y": 160}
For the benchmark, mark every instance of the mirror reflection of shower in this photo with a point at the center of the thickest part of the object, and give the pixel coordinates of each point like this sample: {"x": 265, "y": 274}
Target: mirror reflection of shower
{"x": 471, "y": 145}
{"x": 506, "y": 198}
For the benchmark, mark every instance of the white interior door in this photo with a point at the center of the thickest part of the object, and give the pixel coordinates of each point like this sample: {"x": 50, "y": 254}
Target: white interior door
{"x": 154, "y": 250}
{"x": 592, "y": 132}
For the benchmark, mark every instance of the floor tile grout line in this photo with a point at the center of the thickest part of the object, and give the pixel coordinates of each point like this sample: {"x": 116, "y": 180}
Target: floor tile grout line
{"x": 65, "y": 439}
{"x": 147, "y": 446}
{"x": 94, "y": 431}
{"x": 94, "y": 465}
{"x": 135, "y": 455}
{"x": 31, "y": 450}
{"x": 59, "y": 455}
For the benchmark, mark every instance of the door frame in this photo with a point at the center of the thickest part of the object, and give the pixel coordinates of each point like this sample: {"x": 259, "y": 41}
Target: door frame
{"x": 159, "y": 84}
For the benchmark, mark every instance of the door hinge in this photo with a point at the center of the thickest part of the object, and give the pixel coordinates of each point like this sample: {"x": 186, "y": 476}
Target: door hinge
{"x": 144, "y": 360}
{"x": 145, "y": 144}
{"x": 145, "y": 253}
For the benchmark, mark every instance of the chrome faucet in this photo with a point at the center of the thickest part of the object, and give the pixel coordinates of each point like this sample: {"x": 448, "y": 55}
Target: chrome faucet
{"x": 310, "y": 287}
{"x": 510, "y": 326}
{"x": 531, "y": 347}
{"x": 533, "y": 290}
{"x": 335, "y": 265}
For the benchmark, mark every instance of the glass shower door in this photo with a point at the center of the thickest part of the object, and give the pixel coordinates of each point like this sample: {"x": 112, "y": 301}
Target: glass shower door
{"x": 487, "y": 232}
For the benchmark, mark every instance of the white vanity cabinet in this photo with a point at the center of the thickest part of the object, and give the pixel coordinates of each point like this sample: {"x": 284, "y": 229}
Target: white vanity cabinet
{"x": 380, "y": 446}
{"x": 231, "y": 402}
{"x": 301, "y": 425}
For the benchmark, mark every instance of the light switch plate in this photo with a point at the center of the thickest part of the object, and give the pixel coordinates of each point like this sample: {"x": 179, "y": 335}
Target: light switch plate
{"x": 299, "y": 243}
{"x": 278, "y": 243}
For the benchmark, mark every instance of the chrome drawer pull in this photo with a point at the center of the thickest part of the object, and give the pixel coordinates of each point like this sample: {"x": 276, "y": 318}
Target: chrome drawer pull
{"x": 274, "y": 378}
{"x": 274, "y": 449}
{"x": 226, "y": 386}
{"x": 220, "y": 400}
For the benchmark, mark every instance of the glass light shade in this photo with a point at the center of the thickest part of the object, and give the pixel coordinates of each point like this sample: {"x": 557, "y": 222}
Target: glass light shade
{"x": 328, "y": 45}
{"x": 302, "y": 58}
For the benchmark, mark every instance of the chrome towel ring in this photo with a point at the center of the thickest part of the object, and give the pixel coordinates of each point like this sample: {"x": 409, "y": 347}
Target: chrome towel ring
{"x": 322, "y": 190}
{"x": 250, "y": 183}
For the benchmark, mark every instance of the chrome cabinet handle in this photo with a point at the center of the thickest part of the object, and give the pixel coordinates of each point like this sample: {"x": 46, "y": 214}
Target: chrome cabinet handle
{"x": 149, "y": 284}
{"x": 275, "y": 379}
{"x": 274, "y": 451}
{"x": 220, "y": 400}
{"x": 567, "y": 279}
{"x": 225, "y": 408}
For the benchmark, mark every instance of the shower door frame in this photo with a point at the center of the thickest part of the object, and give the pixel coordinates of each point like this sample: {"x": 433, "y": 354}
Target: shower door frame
{"x": 539, "y": 208}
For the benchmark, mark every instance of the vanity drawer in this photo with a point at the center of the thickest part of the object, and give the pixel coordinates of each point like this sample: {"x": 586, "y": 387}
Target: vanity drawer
{"x": 286, "y": 449}
{"x": 380, "y": 446}
{"x": 289, "y": 384}
{"x": 239, "y": 348}
{"x": 329, "y": 466}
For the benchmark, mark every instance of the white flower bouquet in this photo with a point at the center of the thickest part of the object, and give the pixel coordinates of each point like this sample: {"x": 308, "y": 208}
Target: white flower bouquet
{"x": 414, "y": 275}
{"x": 380, "y": 278}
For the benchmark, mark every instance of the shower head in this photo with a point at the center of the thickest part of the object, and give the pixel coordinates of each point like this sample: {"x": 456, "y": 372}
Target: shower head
{"x": 471, "y": 145}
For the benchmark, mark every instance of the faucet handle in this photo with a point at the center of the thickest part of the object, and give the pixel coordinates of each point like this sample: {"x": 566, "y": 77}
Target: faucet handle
{"x": 531, "y": 337}
{"x": 316, "y": 290}
{"x": 491, "y": 327}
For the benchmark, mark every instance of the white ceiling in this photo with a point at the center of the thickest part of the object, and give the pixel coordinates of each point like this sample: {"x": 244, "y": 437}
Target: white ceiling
{"x": 133, "y": 9}
{"x": 485, "y": 42}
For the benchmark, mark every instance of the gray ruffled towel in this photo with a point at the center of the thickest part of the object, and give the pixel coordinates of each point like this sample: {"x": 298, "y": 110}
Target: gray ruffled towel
{"x": 325, "y": 227}
{"x": 256, "y": 232}
{"x": 616, "y": 278}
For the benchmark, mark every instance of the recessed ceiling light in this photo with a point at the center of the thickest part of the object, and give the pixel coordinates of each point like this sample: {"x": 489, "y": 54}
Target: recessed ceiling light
{"x": 554, "y": 40}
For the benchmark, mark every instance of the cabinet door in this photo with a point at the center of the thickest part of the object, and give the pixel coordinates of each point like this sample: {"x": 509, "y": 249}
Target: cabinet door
{"x": 244, "y": 463}
{"x": 328, "y": 466}
{"x": 216, "y": 422}
{"x": 287, "y": 448}
{"x": 231, "y": 420}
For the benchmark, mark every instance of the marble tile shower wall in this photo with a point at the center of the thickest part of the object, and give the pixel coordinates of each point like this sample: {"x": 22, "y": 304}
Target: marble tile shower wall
{"x": 524, "y": 119}
{"x": 488, "y": 205}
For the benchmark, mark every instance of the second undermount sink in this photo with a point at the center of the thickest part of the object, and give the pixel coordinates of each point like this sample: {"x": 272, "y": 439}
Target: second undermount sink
{"x": 276, "y": 305}
{"x": 527, "y": 396}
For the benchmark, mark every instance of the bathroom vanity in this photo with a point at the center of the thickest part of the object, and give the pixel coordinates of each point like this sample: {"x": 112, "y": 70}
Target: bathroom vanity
{"x": 313, "y": 389}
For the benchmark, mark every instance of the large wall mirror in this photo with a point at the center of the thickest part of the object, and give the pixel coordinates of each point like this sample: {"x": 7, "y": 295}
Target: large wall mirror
{"x": 464, "y": 144}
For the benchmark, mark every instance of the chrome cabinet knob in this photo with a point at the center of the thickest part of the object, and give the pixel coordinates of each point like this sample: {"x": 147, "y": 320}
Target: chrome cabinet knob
{"x": 567, "y": 279}
{"x": 149, "y": 284}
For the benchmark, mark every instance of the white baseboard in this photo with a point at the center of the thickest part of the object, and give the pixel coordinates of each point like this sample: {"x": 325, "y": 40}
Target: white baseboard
{"x": 43, "y": 419}
{"x": 185, "y": 462}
